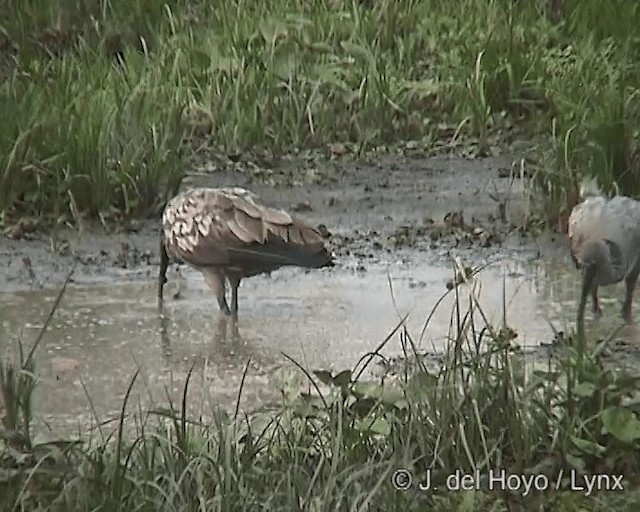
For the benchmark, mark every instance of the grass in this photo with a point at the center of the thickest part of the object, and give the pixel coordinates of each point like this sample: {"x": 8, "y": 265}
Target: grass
{"x": 350, "y": 443}
{"x": 103, "y": 103}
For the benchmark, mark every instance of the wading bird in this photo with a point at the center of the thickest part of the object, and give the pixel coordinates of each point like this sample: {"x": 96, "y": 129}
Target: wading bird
{"x": 604, "y": 239}
{"x": 226, "y": 233}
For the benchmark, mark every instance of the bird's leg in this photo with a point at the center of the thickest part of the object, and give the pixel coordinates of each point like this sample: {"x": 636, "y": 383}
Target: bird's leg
{"x": 594, "y": 296}
{"x": 162, "y": 275}
{"x": 630, "y": 281}
{"x": 226, "y": 329}
{"x": 164, "y": 336}
{"x": 179, "y": 283}
{"x": 588, "y": 277}
{"x": 234, "y": 282}
{"x": 215, "y": 280}
{"x": 235, "y": 333}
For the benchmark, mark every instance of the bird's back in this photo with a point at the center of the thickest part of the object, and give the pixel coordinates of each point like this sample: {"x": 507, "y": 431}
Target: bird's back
{"x": 597, "y": 218}
{"x": 229, "y": 227}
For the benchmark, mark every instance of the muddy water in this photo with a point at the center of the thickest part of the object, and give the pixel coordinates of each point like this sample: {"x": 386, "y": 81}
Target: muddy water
{"x": 108, "y": 324}
{"x": 324, "y": 319}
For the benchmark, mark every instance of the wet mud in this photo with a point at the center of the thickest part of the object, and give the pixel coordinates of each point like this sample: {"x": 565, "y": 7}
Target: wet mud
{"x": 397, "y": 226}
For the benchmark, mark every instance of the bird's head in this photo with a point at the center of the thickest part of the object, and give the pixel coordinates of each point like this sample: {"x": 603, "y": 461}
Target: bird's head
{"x": 589, "y": 187}
{"x": 575, "y": 260}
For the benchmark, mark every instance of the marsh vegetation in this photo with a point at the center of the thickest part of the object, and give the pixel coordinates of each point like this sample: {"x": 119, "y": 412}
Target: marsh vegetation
{"x": 104, "y": 103}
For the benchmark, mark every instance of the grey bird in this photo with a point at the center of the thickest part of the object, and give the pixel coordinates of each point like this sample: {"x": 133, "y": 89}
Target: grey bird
{"x": 604, "y": 239}
{"x": 228, "y": 234}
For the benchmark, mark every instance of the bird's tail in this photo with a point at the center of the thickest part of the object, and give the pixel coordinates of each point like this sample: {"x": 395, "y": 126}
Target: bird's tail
{"x": 331, "y": 262}
{"x": 319, "y": 259}
{"x": 285, "y": 255}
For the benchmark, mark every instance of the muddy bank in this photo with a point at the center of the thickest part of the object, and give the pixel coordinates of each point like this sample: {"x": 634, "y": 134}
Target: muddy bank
{"x": 390, "y": 210}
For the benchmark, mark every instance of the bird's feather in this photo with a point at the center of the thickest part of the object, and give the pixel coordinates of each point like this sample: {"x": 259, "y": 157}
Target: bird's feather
{"x": 617, "y": 259}
{"x": 615, "y": 221}
{"x": 228, "y": 227}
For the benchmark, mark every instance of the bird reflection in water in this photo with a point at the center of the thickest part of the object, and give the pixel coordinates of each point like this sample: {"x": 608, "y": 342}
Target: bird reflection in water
{"x": 630, "y": 333}
{"x": 226, "y": 339}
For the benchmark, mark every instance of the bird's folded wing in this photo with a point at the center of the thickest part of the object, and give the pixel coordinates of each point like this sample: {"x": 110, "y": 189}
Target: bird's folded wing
{"x": 231, "y": 228}
{"x": 624, "y": 212}
{"x": 616, "y": 220}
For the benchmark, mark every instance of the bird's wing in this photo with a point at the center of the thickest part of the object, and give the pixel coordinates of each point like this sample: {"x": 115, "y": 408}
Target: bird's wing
{"x": 616, "y": 220}
{"x": 585, "y": 225}
{"x": 212, "y": 227}
{"x": 625, "y": 213}
{"x": 616, "y": 256}
{"x": 623, "y": 216}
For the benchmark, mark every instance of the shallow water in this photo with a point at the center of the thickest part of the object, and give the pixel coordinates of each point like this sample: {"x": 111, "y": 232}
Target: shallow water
{"x": 322, "y": 319}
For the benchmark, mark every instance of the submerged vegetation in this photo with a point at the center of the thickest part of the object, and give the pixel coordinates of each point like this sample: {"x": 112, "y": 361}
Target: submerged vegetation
{"x": 561, "y": 436}
{"x": 103, "y": 102}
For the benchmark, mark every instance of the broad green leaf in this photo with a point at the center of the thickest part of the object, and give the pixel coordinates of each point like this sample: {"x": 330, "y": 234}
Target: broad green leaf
{"x": 588, "y": 446}
{"x": 585, "y": 389}
{"x": 376, "y": 426}
{"x": 394, "y": 396}
{"x": 343, "y": 378}
{"x": 324, "y": 376}
{"x": 577, "y": 462}
{"x": 621, "y": 423}
{"x": 367, "y": 389}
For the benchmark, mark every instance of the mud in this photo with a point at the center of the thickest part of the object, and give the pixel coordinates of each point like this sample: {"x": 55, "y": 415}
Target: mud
{"x": 396, "y": 227}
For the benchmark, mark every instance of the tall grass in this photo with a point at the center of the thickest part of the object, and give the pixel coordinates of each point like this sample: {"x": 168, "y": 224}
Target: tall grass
{"x": 349, "y": 443}
{"x": 102, "y": 102}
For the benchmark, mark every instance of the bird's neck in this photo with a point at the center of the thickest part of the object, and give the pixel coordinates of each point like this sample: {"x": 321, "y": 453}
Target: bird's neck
{"x": 608, "y": 274}
{"x": 609, "y": 261}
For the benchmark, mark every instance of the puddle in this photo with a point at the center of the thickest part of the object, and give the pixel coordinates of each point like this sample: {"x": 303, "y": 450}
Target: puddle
{"x": 321, "y": 319}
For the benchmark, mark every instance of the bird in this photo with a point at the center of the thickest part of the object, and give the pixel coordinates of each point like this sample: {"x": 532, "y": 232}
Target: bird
{"x": 604, "y": 241}
{"x": 229, "y": 234}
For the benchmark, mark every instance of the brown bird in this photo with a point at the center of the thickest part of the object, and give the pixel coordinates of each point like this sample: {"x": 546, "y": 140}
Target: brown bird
{"x": 604, "y": 239}
{"x": 226, "y": 233}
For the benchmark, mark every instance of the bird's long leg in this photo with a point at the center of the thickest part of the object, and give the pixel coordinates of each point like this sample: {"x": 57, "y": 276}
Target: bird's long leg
{"x": 223, "y": 324}
{"x": 165, "y": 340}
{"x": 597, "y": 311}
{"x": 234, "y": 282}
{"x": 179, "y": 284}
{"x": 630, "y": 281}
{"x": 162, "y": 275}
{"x": 588, "y": 277}
{"x": 215, "y": 280}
